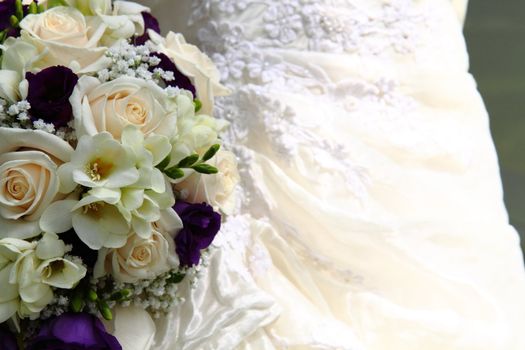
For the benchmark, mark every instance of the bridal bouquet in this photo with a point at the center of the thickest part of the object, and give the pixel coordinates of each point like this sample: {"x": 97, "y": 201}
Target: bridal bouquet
{"x": 112, "y": 177}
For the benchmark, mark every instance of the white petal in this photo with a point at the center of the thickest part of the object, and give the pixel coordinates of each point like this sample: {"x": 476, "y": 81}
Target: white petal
{"x": 65, "y": 174}
{"x": 141, "y": 227}
{"x": 9, "y": 291}
{"x": 19, "y": 228}
{"x": 8, "y": 309}
{"x": 89, "y": 231}
{"x": 123, "y": 178}
{"x": 57, "y": 217}
{"x": 132, "y": 198}
{"x": 13, "y": 139}
{"x": 134, "y": 328}
{"x": 159, "y": 146}
{"x": 50, "y": 246}
{"x": 170, "y": 222}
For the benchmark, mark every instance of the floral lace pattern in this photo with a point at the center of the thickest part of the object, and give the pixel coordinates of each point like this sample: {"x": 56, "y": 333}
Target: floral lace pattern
{"x": 252, "y": 65}
{"x": 326, "y": 26}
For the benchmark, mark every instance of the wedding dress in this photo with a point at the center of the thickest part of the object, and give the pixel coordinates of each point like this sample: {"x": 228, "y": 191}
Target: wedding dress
{"x": 371, "y": 213}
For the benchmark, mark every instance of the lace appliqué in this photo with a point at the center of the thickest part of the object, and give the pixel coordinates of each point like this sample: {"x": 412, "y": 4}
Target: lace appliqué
{"x": 328, "y": 26}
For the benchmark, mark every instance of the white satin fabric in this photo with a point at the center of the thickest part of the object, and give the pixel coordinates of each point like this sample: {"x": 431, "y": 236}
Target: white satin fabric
{"x": 372, "y": 214}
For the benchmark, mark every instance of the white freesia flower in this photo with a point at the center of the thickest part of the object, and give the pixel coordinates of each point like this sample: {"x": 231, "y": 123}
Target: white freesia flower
{"x": 139, "y": 259}
{"x": 54, "y": 270}
{"x": 99, "y": 161}
{"x": 193, "y": 64}
{"x": 196, "y": 133}
{"x": 61, "y": 273}
{"x": 142, "y": 203}
{"x": 95, "y": 219}
{"x": 29, "y": 183}
{"x": 28, "y": 270}
{"x": 124, "y": 101}
{"x": 10, "y": 251}
{"x": 34, "y": 295}
{"x": 124, "y": 21}
{"x": 65, "y": 37}
{"x": 217, "y": 190}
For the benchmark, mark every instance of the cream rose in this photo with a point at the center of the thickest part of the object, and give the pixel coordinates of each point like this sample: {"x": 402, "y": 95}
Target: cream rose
{"x": 139, "y": 259}
{"x": 218, "y": 190}
{"x": 194, "y": 64}
{"x": 28, "y": 178}
{"x": 66, "y": 38}
{"x": 125, "y": 101}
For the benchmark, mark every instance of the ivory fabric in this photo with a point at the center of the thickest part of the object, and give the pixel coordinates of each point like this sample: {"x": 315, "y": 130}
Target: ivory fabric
{"x": 371, "y": 213}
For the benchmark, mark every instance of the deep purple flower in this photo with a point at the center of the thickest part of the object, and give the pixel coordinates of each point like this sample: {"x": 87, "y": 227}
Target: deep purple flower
{"x": 7, "y": 9}
{"x": 201, "y": 225}
{"x": 181, "y": 81}
{"x": 7, "y": 340}
{"x": 150, "y": 22}
{"x": 74, "y": 332}
{"x": 49, "y": 92}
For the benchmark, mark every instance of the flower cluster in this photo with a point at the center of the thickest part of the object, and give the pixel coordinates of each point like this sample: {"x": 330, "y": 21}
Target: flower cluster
{"x": 113, "y": 178}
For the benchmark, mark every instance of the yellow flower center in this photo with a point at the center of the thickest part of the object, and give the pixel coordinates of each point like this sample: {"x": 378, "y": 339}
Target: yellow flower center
{"x": 98, "y": 169}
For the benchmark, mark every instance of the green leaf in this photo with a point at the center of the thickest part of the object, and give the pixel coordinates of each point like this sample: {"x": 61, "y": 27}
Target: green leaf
{"x": 165, "y": 162}
{"x": 105, "y": 311}
{"x": 176, "y": 278}
{"x": 41, "y": 8}
{"x": 174, "y": 173}
{"x": 188, "y": 161}
{"x": 205, "y": 169}
{"x": 198, "y": 105}
{"x": 210, "y": 153}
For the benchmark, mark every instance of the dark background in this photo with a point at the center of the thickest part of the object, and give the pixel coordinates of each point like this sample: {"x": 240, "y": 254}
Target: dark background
{"x": 495, "y": 34}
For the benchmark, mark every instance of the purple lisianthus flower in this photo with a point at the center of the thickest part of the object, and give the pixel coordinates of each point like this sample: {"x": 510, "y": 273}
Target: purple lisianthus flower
{"x": 72, "y": 331}
{"x": 181, "y": 81}
{"x": 49, "y": 92}
{"x": 7, "y": 9}
{"x": 150, "y": 22}
{"x": 7, "y": 340}
{"x": 201, "y": 225}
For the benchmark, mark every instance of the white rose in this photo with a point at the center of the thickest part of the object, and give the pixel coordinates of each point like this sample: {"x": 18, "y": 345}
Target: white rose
{"x": 193, "y": 64}
{"x": 66, "y": 38}
{"x": 217, "y": 190}
{"x": 139, "y": 259}
{"x": 28, "y": 177}
{"x": 124, "y": 101}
